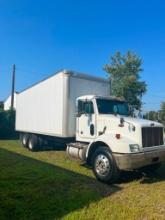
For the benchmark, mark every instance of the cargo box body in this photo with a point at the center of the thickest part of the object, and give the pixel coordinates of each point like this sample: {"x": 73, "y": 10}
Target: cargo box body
{"x": 49, "y": 107}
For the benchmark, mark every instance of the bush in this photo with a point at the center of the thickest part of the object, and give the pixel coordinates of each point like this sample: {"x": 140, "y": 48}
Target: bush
{"x": 7, "y": 124}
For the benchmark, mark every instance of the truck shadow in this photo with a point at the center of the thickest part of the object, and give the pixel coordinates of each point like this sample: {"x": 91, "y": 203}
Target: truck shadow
{"x": 55, "y": 147}
{"x": 126, "y": 177}
{"x": 149, "y": 178}
{"x": 130, "y": 176}
{"x": 33, "y": 189}
{"x": 154, "y": 177}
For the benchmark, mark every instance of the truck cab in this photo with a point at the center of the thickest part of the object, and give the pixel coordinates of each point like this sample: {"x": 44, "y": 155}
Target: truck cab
{"x": 109, "y": 139}
{"x": 96, "y": 113}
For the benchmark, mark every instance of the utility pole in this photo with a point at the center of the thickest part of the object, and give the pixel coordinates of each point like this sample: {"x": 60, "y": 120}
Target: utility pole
{"x": 13, "y": 87}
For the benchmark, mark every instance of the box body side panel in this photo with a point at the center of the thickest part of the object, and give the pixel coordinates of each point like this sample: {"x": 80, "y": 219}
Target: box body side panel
{"x": 40, "y": 108}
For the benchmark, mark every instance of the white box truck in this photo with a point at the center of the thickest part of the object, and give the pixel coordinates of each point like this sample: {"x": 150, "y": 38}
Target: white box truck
{"x": 78, "y": 110}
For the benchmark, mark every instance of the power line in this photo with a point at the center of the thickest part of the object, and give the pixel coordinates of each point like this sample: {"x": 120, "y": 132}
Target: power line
{"x": 155, "y": 95}
{"x": 29, "y": 71}
{"x": 151, "y": 103}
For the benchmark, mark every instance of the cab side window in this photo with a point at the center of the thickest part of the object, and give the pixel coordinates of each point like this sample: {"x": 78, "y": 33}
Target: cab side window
{"x": 85, "y": 107}
{"x": 88, "y": 108}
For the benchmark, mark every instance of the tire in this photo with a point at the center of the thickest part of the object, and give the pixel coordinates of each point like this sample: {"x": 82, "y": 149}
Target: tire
{"x": 104, "y": 166}
{"x": 24, "y": 138}
{"x": 33, "y": 143}
{"x": 151, "y": 168}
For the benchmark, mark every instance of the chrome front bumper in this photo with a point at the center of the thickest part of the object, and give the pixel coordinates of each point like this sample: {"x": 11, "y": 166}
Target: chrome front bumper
{"x": 134, "y": 161}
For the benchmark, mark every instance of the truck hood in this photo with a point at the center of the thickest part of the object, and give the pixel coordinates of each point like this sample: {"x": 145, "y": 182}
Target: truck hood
{"x": 142, "y": 122}
{"x": 132, "y": 129}
{"x": 134, "y": 121}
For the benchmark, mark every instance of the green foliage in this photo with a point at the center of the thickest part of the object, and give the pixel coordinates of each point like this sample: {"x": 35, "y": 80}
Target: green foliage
{"x": 152, "y": 115}
{"x": 7, "y": 124}
{"x": 157, "y": 115}
{"x": 1, "y": 105}
{"x": 162, "y": 113}
{"x": 125, "y": 79}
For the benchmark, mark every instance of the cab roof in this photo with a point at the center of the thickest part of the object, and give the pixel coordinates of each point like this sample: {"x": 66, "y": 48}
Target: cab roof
{"x": 90, "y": 97}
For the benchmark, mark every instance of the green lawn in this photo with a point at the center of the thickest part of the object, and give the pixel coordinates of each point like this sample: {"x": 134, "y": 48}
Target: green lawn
{"x": 48, "y": 185}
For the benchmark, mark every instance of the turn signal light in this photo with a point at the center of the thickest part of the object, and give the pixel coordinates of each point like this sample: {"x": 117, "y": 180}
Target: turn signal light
{"x": 118, "y": 136}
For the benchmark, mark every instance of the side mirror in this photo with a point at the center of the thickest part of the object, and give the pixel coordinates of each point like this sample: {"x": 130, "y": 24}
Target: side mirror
{"x": 131, "y": 110}
{"x": 115, "y": 110}
{"x": 78, "y": 114}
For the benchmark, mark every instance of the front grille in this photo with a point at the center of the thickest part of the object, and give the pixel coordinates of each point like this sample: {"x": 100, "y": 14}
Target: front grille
{"x": 152, "y": 136}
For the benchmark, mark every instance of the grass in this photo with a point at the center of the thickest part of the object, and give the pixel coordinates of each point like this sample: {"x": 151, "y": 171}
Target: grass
{"x": 48, "y": 185}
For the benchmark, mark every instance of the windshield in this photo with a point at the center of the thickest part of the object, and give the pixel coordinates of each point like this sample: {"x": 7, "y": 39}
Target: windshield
{"x": 106, "y": 106}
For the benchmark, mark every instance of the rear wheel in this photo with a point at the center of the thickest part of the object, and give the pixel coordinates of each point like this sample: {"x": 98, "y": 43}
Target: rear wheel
{"x": 33, "y": 143}
{"x": 24, "y": 138}
{"x": 104, "y": 166}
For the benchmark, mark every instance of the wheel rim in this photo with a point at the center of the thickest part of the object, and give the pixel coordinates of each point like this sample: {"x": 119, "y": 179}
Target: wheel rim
{"x": 30, "y": 145}
{"x": 102, "y": 165}
{"x": 24, "y": 140}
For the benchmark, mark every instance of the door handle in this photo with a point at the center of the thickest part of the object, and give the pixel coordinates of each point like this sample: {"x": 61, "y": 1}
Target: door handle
{"x": 92, "y": 129}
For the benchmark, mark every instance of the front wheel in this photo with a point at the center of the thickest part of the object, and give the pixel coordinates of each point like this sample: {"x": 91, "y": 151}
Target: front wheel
{"x": 104, "y": 166}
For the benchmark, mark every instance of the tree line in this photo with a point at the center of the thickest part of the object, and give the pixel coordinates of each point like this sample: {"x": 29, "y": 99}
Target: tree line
{"x": 7, "y": 124}
{"x": 157, "y": 115}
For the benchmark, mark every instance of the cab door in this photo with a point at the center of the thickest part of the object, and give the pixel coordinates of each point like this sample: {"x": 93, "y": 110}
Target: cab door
{"x": 86, "y": 123}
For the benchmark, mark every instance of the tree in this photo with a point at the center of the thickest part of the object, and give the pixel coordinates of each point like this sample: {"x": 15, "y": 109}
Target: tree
{"x": 7, "y": 124}
{"x": 1, "y": 105}
{"x": 162, "y": 113}
{"x": 152, "y": 115}
{"x": 124, "y": 75}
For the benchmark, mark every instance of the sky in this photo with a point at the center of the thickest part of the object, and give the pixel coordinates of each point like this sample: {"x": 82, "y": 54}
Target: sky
{"x": 44, "y": 36}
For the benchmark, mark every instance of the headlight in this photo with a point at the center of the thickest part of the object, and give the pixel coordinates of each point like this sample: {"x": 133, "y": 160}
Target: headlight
{"x": 134, "y": 148}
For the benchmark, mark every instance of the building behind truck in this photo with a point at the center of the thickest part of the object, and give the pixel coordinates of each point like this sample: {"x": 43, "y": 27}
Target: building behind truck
{"x": 77, "y": 109}
{"x": 7, "y": 102}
